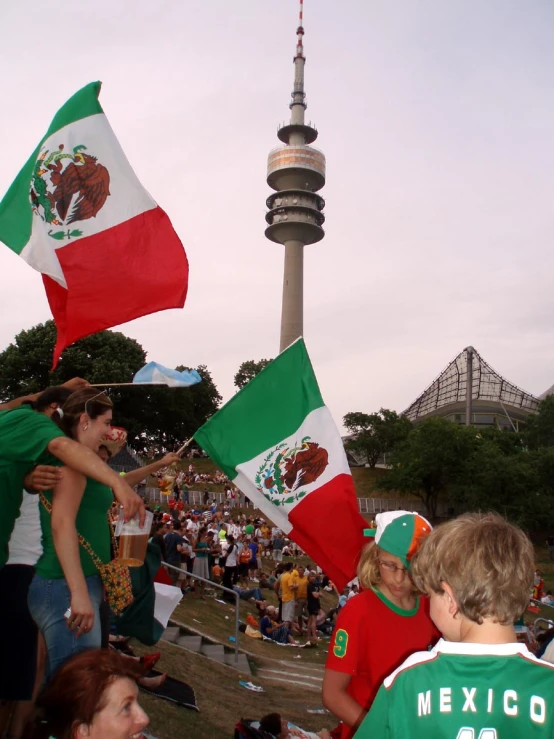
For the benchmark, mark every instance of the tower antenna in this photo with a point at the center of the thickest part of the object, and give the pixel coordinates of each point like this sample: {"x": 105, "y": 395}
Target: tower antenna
{"x": 296, "y": 171}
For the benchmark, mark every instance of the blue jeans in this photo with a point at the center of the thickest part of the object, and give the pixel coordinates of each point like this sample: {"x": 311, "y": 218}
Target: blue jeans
{"x": 251, "y": 593}
{"x": 48, "y": 600}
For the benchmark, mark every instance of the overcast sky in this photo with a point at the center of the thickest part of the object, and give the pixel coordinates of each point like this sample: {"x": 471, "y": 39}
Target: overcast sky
{"x": 437, "y": 122}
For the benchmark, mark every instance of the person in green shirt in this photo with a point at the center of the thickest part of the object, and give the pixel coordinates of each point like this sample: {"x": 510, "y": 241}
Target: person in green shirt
{"x": 76, "y": 383}
{"x": 478, "y": 682}
{"x": 28, "y": 439}
{"x": 66, "y": 576}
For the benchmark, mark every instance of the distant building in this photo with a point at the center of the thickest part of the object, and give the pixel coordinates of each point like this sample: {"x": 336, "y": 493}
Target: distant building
{"x": 471, "y": 393}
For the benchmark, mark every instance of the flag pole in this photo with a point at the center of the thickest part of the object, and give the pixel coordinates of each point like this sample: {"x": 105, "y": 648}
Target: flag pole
{"x": 185, "y": 445}
{"x": 127, "y": 384}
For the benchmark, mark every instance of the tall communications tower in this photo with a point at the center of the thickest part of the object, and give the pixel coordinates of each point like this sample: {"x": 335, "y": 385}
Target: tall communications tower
{"x": 296, "y": 171}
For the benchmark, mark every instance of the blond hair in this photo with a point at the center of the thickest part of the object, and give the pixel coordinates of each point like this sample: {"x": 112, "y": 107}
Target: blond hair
{"x": 369, "y": 571}
{"x": 487, "y": 562}
{"x": 369, "y": 574}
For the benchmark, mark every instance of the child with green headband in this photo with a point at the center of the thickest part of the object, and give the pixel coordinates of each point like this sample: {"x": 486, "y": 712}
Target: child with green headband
{"x": 378, "y": 629}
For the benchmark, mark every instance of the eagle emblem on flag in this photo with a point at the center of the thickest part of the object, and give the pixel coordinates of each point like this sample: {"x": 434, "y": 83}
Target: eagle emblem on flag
{"x": 67, "y": 188}
{"x": 287, "y": 469}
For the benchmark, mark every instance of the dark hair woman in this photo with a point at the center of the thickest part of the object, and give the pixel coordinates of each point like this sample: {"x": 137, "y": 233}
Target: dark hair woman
{"x": 93, "y": 696}
{"x": 66, "y": 576}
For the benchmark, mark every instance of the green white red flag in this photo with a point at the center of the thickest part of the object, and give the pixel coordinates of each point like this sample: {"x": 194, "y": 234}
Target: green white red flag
{"x": 277, "y": 442}
{"x": 78, "y": 214}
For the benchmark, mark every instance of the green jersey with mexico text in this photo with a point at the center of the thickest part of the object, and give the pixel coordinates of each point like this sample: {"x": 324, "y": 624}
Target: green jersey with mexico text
{"x": 465, "y": 691}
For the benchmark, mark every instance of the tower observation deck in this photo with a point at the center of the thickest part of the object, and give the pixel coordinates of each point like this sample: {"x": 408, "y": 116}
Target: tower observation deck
{"x": 296, "y": 171}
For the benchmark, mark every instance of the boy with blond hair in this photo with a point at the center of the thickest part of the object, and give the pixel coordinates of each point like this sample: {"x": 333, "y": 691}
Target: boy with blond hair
{"x": 478, "y": 682}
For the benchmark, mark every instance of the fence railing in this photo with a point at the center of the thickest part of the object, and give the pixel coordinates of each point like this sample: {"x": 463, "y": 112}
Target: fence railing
{"x": 194, "y": 497}
{"x": 213, "y": 584}
{"x": 365, "y": 505}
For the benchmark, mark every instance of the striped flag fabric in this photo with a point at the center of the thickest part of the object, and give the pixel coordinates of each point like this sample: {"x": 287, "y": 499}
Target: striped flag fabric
{"x": 78, "y": 214}
{"x": 277, "y": 442}
{"x": 156, "y": 374}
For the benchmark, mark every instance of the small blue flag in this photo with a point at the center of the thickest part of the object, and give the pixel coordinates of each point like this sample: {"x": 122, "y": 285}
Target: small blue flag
{"x": 155, "y": 374}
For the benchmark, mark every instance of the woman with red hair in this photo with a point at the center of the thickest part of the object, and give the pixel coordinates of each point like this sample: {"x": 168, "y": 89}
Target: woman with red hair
{"x": 93, "y": 696}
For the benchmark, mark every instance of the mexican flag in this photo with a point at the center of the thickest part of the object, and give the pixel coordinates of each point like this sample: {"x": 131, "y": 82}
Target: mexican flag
{"x": 153, "y": 601}
{"x": 278, "y": 443}
{"x": 77, "y": 213}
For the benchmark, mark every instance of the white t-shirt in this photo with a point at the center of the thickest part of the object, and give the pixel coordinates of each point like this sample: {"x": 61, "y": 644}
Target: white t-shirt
{"x": 192, "y": 526}
{"x": 231, "y": 560}
{"x": 25, "y": 544}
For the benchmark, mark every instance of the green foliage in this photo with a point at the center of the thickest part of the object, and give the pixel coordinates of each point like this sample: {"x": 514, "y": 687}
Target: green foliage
{"x": 429, "y": 460}
{"x": 156, "y": 418}
{"x": 375, "y": 434}
{"x": 248, "y": 370}
{"x": 539, "y": 430}
{"x": 475, "y": 469}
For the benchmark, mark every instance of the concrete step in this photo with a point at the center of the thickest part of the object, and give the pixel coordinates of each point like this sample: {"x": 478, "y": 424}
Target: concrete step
{"x": 192, "y": 643}
{"x": 243, "y": 664}
{"x": 171, "y": 634}
{"x": 214, "y": 651}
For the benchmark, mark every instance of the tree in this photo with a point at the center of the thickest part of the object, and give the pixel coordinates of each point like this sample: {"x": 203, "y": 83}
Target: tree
{"x": 105, "y": 356}
{"x": 375, "y": 434}
{"x": 539, "y": 430}
{"x": 430, "y": 460}
{"x": 156, "y": 418}
{"x": 248, "y": 370}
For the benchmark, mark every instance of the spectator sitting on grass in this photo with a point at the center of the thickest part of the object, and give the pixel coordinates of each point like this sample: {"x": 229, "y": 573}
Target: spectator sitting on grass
{"x": 273, "y": 630}
{"x": 548, "y": 599}
{"x": 264, "y": 582}
{"x": 248, "y": 594}
{"x": 280, "y": 728}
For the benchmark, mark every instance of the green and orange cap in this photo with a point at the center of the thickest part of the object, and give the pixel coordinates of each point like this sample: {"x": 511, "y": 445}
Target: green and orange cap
{"x": 400, "y": 533}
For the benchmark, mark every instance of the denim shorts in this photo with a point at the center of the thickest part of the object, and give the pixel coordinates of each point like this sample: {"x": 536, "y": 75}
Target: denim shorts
{"x": 48, "y": 600}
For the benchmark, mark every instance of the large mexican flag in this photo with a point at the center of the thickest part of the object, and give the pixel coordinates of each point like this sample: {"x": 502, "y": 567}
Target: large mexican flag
{"x": 78, "y": 214}
{"x": 278, "y": 443}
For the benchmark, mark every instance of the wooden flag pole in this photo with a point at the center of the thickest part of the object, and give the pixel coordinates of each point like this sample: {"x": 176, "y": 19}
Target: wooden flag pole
{"x": 185, "y": 445}
{"x": 127, "y": 384}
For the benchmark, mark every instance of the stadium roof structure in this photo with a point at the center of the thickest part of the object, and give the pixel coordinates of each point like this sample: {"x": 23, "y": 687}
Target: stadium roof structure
{"x": 490, "y": 392}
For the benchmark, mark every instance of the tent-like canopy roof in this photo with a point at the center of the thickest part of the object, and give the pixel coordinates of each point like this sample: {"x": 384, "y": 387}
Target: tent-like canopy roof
{"x": 450, "y": 388}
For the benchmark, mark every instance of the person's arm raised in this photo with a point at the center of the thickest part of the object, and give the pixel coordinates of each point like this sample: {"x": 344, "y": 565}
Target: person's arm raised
{"x": 82, "y": 459}
{"x": 76, "y": 383}
{"x": 16, "y": 402}
{"x": 140, "y": 474}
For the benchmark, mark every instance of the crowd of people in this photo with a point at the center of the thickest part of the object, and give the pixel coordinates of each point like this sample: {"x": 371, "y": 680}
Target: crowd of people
{"x": 421, "y": 644}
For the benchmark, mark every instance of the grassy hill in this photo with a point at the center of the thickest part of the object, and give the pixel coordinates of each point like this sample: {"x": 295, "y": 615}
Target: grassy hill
{"x": 365, "y": 480}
